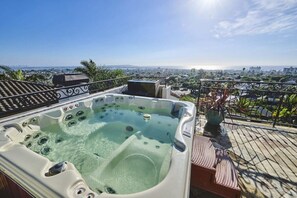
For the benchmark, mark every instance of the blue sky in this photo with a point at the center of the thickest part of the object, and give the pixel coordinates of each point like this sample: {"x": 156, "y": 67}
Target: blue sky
{"x": 149, "y": 32}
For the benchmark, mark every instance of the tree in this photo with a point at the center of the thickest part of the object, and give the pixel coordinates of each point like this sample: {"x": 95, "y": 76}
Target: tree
{"x": 10, "y": 74}
{"x": 117, "y": 73}
{"x": 89, "y": 69}
{"x": 36, "y": 78}
{"x": 96, "y": 73}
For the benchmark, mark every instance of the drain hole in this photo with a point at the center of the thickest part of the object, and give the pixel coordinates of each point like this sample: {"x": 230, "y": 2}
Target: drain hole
{"x": 110, "y": 190}
{"x": 144, "y": 142}
{"x": 141, "y": 107}
{"x": 101, "y": 117}
{"x": 27, "y": 137}
{"x": 45, "y": 150}
{"x": 157, "y": 146}
{"x": 129, "y": 128}
{"x": 42, "y": 140}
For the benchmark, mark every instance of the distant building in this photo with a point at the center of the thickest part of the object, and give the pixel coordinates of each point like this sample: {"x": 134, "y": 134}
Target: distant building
{"x": 290, "y": 70}
{"x": 255, "y": 69}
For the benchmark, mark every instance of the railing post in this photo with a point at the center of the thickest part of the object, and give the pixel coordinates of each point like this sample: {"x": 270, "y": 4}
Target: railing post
{"x": 278, "y": 109}
{"x": 198, "y": 97}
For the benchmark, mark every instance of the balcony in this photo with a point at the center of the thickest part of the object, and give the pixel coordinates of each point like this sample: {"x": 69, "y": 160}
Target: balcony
{"x": 259, "y": 133}
{"x": 265, "y": 157}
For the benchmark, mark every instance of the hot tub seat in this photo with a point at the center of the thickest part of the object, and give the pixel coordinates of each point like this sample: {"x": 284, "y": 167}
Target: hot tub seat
{"x": 134, "y": 160}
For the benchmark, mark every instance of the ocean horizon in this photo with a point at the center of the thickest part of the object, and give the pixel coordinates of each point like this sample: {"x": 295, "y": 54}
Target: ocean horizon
{"x": 264, "y": 68}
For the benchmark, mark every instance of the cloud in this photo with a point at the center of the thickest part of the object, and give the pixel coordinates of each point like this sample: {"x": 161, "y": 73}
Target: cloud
{"x": 263, "y": 16}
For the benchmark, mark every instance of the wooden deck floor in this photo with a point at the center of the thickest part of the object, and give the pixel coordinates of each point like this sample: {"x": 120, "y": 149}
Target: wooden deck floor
{"x": 265, "y": 157}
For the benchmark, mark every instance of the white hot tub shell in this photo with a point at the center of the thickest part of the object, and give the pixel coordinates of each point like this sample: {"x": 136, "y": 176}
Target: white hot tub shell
{"x": 29, "y": 169}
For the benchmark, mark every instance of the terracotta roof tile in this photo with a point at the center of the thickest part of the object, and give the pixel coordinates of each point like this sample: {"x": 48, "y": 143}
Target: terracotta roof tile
{"x": 12, "y": 101}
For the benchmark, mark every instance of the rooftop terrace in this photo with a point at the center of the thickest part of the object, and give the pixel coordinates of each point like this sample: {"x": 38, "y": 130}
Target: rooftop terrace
{"x": 265, "y": 157}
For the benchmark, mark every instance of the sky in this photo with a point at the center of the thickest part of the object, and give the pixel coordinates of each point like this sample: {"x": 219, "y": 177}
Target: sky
{"x": 187, "y": 33}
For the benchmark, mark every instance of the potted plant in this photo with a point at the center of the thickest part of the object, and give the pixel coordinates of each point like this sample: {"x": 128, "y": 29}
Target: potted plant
{"x": 215, "y": 108}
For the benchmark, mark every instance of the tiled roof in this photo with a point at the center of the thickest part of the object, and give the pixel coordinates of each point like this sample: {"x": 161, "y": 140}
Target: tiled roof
{"x": 14, "y": 96}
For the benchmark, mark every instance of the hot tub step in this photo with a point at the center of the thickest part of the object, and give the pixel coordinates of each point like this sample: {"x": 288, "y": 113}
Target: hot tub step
{"x": 212, "y": 169}
{"x": 203, "y": 162}
{"x": 226, "y": 183}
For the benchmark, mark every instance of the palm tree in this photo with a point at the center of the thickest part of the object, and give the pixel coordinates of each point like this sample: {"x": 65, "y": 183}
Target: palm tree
{"x": 89, "y": 68}
{"x": 96, "y": 73}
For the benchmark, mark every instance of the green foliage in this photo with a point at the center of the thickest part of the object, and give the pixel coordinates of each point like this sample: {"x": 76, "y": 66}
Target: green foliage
{"x": 243, "y": 104}
{"x": 96, "y": 73}
{"x": 36, "y": 78}
{"x": 19, "y": 75}
{"x": 252, "y": 79}
{"x": 188, "y": 98}
{"x": 10, "y": 74}
{"x": 293, "y": 99}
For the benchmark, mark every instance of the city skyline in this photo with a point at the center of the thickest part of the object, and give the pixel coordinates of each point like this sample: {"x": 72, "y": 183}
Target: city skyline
{"x": 188, "y": 33}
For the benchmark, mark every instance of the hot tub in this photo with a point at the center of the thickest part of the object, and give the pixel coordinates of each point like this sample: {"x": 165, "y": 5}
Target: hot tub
{"x": 108, "y": 145}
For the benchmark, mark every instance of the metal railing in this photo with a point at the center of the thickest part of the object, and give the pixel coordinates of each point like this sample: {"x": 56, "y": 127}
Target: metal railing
{"x": 274, "y": 103}
{"x": 22, "y": 102}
